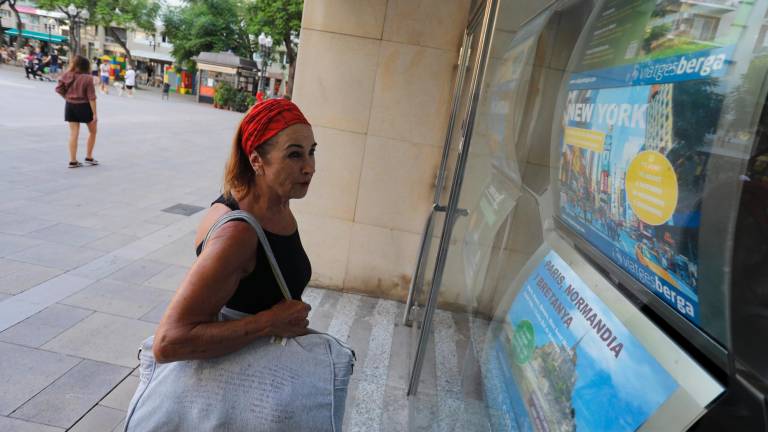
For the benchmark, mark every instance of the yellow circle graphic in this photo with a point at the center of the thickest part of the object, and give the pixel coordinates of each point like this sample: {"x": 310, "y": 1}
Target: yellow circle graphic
{"x": 651, "y": 186}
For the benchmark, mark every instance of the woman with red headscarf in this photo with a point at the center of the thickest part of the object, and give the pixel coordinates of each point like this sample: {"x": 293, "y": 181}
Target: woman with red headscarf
{"x": 271, "y": 162}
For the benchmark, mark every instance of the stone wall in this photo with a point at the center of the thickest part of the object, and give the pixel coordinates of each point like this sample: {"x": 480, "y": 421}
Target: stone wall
{"x": 375, "y": 78}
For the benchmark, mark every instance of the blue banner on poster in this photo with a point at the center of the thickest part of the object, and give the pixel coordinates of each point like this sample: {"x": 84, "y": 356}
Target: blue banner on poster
{"x": 704, "y": 64}
{"x": 563, "y": 361}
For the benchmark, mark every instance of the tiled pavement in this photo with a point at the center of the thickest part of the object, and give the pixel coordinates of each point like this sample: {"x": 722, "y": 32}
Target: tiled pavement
{"x": 89, "y": 261}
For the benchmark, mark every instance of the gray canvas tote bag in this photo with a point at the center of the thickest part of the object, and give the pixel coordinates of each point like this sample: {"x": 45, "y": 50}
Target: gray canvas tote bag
{"x": 273, "y": 384}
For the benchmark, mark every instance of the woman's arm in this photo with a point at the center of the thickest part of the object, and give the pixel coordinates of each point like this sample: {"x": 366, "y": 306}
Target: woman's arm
{"x": 190, "y": 328}
{"x": 93, "y": 108}
{"x": 90, "y": 94}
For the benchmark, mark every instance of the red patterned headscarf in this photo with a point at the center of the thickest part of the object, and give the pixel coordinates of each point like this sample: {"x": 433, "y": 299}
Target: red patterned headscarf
{"x": 266, "y": 119}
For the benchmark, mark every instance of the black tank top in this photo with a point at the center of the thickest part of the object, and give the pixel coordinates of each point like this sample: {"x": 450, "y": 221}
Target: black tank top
{"x": 259, "y": 290}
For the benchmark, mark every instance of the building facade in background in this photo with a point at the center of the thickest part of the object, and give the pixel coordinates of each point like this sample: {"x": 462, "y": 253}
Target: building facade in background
{"x": 41, "y": 27}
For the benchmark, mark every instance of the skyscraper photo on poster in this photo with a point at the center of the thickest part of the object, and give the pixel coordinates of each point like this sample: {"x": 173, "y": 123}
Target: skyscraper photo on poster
{"x": 641, "y": 113}
{"x": 564, "y": 362}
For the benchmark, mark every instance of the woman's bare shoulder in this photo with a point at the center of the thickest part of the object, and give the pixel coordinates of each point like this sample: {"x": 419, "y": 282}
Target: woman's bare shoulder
{"x": 232, "y": 248}
{"x": 212, "y": 215}
{"x": 237, "y": 233}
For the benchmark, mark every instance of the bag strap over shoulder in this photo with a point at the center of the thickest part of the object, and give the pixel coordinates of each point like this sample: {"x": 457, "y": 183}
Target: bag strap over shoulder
{"x": 247, "y": 217}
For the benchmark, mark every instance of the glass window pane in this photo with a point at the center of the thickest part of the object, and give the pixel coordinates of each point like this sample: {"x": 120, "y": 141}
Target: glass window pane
{"x": 658, "y": 127}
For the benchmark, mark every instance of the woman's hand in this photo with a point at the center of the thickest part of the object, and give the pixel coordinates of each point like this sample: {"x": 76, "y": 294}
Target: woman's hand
{"x": 289, "y": 318}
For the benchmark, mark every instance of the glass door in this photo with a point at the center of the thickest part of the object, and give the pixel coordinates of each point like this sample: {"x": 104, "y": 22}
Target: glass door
{"x": 495, "y": 170}
{"x": 456, "y": 126}
{"x": 474, "y": 55}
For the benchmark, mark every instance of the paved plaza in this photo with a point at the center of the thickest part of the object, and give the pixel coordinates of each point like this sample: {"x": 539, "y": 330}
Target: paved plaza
{"x": 90, "y": 257}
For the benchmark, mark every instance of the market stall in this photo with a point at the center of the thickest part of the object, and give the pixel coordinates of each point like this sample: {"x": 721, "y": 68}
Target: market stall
{"x": 224, "y": 67}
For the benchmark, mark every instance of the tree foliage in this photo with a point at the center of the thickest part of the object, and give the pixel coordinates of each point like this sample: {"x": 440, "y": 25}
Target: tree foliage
{"x": 128, "y": 14}
{"x": 19, "y": 24}
{"x": 61, "y": 6}
{"x": 653, "y": 35}
{"x": 229, "y": 97}
{"x": 280, "y": 19}
{"x": 207, "y": 25}
{"x": 222, "y": 25}
{"x": 136, "y": 14}
{"x": 2, "y": 29}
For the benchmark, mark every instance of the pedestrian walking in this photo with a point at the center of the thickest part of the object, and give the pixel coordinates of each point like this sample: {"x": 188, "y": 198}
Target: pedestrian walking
{"x": 120, "y": 86}
{"x": 95, "y": 70}
{"x": 130, "y": 80}
{"x": 104, "y": 74}
{"x": 76, "y": 87}
{"x": 166, "y": 90}
{"x": 53, "y": 67}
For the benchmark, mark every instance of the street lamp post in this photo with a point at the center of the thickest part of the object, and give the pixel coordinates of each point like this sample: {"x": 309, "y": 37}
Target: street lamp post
{"x": 265, "y": 45}
{"x": 76, "y": 18}
{"x": 49, "y": 26}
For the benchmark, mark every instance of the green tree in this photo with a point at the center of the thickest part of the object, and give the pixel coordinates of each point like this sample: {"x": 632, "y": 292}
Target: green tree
{"x": 2, "y": 29}
{"x": 127, "y": 14}
{"x": 207, "y": 25}
{"x": 61, "y": 6}
{"x": 19, "y": 24}
{"x": 654, "y": 35}
{"x": 221, "y": 25}
{"x": 280, "y": 19}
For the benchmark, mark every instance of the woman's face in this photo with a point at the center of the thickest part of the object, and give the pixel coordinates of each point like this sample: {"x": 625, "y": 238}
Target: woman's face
{"x": 287, "y": 168}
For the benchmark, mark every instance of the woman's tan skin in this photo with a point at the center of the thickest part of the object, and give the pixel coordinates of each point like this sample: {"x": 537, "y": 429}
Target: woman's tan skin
{"x": 190, "y": 328}
{"x": 74, "y": 127}
{"x": 74, "y": 132}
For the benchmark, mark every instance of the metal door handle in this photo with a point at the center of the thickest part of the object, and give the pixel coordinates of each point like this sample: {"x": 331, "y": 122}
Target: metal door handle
{"x": 459, "y": 211}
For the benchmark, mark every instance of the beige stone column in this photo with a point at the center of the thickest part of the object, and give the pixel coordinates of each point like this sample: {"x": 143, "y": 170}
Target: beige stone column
{"x": 374, "y": 77}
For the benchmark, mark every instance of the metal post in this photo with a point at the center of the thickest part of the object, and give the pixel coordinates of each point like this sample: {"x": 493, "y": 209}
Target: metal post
{"x": 263, "y": 72}
{"x": 263, "y": 68}
{"x": 453, "y": 200}
{"x": 261, "y": 75}
{"x": 426, "y": 238}
{"x": 266, "y": 61}
{"x": 418, "y": 273}
{"x": 72, "y": 35}
{"x": 78, "y": 41}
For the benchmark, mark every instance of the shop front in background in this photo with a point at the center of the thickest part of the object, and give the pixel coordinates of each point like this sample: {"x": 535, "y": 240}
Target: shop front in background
{"x": 211, "y": 80}
{"x": 224, "y": 69}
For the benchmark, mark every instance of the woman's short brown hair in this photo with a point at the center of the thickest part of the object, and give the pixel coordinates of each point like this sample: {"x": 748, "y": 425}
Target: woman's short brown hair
{"x": 239, "y": 176}
{"x": 79, "y": 64}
